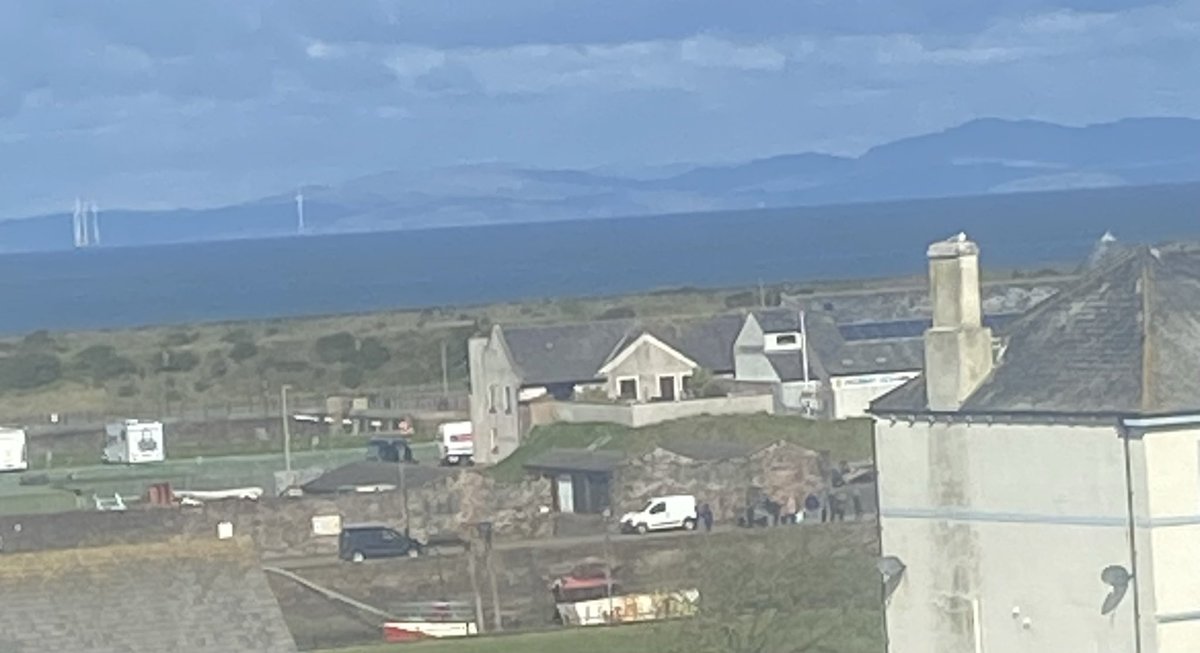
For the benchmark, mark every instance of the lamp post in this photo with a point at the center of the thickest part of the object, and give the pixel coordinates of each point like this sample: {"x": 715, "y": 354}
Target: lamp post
{"x": 287, "y": 434}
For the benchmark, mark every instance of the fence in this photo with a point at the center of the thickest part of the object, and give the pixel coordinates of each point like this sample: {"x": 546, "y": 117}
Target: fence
{"x": 253, "y": 406}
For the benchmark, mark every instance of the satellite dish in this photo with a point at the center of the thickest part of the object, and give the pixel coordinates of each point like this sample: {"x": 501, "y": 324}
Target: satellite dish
{"x": 892, "y": 570}
{"x": 1116, "y": 577}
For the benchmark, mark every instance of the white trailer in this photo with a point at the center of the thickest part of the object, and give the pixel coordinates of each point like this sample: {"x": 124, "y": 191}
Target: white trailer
{"x": 456, "y": 444}
{"x": 14, "y": 454}
{"x": 133, "y": 442}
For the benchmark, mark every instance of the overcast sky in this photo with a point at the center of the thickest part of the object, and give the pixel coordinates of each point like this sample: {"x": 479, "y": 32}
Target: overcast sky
{"x": 168, "y": 102}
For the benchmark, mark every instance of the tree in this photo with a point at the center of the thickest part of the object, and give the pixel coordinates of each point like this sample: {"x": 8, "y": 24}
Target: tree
{"x": 805, "y": 589}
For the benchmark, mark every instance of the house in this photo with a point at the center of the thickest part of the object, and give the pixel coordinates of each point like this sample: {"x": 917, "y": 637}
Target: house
{"x": 1044, "y": 496}
{"x": 192, "y": 596}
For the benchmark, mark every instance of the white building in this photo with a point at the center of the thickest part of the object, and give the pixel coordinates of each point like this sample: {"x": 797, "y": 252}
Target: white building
{"x": 1043, "y": 496}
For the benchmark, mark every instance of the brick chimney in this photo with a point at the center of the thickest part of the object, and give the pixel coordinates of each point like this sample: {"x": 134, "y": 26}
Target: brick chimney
{"x": 958, "y": 348}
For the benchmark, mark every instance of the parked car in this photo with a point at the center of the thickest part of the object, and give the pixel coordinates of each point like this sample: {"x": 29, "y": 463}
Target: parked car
{"x": 359, "y": 542}
{"x": 390, "y": 450}
{"x": 662, "y": 514}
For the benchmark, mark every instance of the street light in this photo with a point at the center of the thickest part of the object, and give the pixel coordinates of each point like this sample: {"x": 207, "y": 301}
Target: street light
{"x": 287, "y": 435}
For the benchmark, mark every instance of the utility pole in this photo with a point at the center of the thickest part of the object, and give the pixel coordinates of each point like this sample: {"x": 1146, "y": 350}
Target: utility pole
{"x": 287, "y": 434}
{"x": 445, "y": 373}
{"x": 404, "y": 494}
{"x": 479, "y": 618}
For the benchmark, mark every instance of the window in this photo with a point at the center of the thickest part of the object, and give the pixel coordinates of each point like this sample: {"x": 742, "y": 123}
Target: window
{"x": 658, "y": 508}
{"x": 492, "y": 398}
{"x": 789, "y": 339}
{"x": 627, "y": 389}
{"x": 508, "y": 402}
{"x": 492, "y": 444}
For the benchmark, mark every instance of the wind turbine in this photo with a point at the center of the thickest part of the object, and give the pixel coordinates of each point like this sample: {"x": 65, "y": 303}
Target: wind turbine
{"x": 300, "y": 211}
{"x": 95, "y": 224}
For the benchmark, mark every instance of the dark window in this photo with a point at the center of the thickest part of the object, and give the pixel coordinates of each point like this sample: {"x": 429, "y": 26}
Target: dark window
{"x": 508, "y": 399}
{"x": 789, "y": 339}
{"x": 627, "y": 388}
{"x": 658, "y": 507}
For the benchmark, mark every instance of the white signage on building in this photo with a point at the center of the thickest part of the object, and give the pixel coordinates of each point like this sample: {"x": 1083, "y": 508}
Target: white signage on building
{"x": 327, "y": 525}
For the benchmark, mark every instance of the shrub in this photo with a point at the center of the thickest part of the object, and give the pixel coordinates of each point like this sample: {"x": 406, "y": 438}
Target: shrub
{"x": 180, "y": 338}
{"x": 337, "y": 347}
{"x": 177, "y": 361}
{"x": 39, "y": 341}
{"x": 127, "y": 391}
{"x": 29, "y": 370}
{"x": 237, "y": 336}
{"x": 352, "y": 377}
{"x": 617, "y": 313}
{"x": 744, "y": 299}
{"x": 243, "y": 350}
{"x": 371, "y": 354}
{"x": 102, "y": 363}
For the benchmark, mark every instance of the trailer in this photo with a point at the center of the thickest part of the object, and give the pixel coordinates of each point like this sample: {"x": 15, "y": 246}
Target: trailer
{"x": 14, "y": 452}
{"x": 133, "y": 442}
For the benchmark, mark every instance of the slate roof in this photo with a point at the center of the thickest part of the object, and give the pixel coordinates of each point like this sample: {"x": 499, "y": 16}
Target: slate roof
{"x": 197, "y": 596}
{"x": 371, "y": 473}
{"x": 1124, "y": 340}
{"x": 576, "y": 460}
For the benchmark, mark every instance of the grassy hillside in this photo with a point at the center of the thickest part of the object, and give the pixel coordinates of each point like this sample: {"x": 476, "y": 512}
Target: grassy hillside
{"x": 845, "y": 440}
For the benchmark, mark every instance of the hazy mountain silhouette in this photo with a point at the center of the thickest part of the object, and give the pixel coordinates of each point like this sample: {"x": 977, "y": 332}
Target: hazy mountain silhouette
{"x": 981, "y": 157}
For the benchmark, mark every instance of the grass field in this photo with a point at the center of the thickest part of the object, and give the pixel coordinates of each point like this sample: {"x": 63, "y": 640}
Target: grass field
{"x": 845, "y": 440}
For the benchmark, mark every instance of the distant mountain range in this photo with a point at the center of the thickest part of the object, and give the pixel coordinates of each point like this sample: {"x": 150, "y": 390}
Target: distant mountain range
{"x": 981, "y": 157}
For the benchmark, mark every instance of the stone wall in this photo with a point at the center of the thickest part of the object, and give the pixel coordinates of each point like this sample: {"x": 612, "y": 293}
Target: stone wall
{"x": 779, "y": 471}
{"x": 283, "y": 527}
{"x": 644, "y": 414}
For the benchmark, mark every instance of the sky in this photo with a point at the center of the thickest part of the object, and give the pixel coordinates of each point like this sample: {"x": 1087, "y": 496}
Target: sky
{"x": 164, "y": 103}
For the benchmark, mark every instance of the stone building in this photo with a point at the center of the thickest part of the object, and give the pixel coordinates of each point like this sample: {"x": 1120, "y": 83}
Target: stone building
{"x": 1043, "y": 495}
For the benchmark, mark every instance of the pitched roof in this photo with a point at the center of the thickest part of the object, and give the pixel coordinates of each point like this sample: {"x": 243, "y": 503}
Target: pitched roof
{"x": 568, "y": 353}
{"x": 189, "y": 596}
{"x": 373, "y": 473}
{"x": 576, "y": 460}
{"x": 1123, "y": 340}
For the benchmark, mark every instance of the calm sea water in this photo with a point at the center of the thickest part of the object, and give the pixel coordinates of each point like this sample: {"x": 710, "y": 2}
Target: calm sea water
{"x": 121, "y": 287}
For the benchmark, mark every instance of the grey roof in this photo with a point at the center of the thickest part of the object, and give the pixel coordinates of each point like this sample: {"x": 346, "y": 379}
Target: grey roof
{"x": 778, "y": 320}
{"x": 191, "y": 596}
{"x": 371, "y": 473}
{"x": 894, "y": 329}
{"x": 572, "y": 353}
{"x": 576, "y": 460}
{"x": 1123, "y": 340}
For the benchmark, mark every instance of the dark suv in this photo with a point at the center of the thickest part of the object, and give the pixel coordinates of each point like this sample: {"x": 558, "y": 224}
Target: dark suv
{"x": 360, "y": 542}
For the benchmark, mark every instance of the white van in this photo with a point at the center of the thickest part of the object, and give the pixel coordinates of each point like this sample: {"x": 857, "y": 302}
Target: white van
{"x": 13, "y": 451}
{"x": 456, "y": 444}
{"x": 662, "y": 514}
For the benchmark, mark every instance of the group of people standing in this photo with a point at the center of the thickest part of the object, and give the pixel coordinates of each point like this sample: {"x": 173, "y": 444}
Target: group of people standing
{"x": 830, "y": 503}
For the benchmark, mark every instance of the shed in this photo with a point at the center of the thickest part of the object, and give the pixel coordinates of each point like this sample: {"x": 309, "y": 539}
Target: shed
{"x": 581, "y": 478}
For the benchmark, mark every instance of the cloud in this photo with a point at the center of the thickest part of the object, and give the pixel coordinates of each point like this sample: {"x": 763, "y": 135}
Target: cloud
{"x": 248, "y": 94}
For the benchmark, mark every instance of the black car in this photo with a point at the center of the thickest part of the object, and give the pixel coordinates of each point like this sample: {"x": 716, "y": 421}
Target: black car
{"x": 361, "y": 542}
{"x": 390, "y": 450}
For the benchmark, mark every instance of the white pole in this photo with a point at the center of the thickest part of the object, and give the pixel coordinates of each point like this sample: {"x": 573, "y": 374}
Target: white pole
{"x": 804, "y": 349}
{"x": 287, "y": 434}
{"x": 95, "y": 224}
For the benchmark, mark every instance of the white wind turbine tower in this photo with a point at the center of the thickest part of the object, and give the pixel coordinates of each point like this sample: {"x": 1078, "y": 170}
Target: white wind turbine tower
{"x": 95, "y": 224}
{"x": 300, "y": 211}
{"x": 76, "y": 238}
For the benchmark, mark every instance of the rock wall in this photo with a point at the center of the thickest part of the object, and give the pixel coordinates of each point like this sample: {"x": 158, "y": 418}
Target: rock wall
{"x": 779, "y": 471}
{"x": 284, "y": 527}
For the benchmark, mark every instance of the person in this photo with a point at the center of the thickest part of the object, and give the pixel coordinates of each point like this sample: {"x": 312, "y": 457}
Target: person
{"x": 706, "y": 517}
{"x": 837, "y": 507}
{"x": 789, "y": 510}
{"x": 856, "y": 499}
{"x": 812, "y": 505}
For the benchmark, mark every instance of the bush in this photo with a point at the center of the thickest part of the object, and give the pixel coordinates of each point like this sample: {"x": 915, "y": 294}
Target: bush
{"x": 744, "y": 299}
{"x": 101, "y": 363}
{"x": 617, "y": 313}
{"x": 337, "y": 347}
{"x": 39, "y": 341}
{"x": 178, "y": 361}
{"x": 371, "y": 354}
{"x": 28, "y": 371}
{"x": 238, "y": 335}
{"x": 127, "y": 391}
{"x": 352, "y": 377}
{"x": 243, "y": 351}
{"x": 180, "y": 338}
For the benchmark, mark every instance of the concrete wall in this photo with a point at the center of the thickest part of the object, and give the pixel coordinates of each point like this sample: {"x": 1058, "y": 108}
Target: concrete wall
{"x": 852, "y": 395}
{"x": 636, "y": 415}
{"x": 1002, "y": 523}
{"x": 646, "y": 363}
{"x": 1173, "y": 493}
{"x": 495, "y": 386}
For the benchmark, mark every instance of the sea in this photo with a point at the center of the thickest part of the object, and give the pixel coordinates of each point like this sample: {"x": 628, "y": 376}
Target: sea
{"x": 118, "y": 287}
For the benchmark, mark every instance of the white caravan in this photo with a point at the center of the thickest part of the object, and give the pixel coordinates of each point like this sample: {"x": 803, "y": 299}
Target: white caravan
{"x": 456, "y": 444}
{"x": 134, "y": 442}
{"x": 13, "y": 451}
{"x": 662, "y": 514}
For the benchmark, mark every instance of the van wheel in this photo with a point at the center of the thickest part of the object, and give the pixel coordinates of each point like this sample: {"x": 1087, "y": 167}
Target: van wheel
{"x": 357, "y": 556}
{"x": 641, "y": 529}
{"x": 689, "y": 524}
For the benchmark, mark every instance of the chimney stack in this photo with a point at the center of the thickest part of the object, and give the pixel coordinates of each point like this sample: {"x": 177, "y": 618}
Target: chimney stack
{"x": 958, "y": 348}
